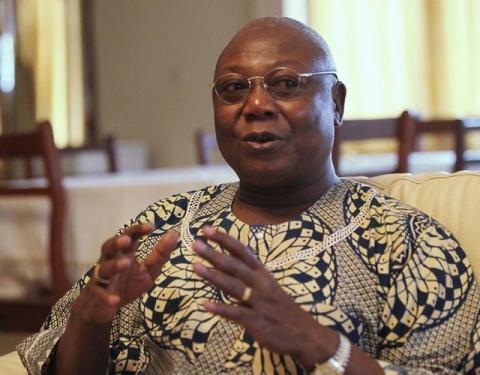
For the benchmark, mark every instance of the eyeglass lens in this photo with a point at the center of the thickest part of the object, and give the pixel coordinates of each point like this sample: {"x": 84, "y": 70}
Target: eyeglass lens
{"x": 281, "y": 83}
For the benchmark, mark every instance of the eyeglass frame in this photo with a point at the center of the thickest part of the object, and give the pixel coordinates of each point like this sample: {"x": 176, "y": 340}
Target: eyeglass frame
{"x": 266, "y": 87}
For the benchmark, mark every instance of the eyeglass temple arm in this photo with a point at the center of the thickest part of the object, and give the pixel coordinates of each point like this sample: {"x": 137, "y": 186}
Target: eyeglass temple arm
{"x": 306, "y": 75}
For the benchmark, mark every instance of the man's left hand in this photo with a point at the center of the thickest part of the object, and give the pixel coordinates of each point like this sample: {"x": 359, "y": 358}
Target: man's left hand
{"x": 267, "y": 313}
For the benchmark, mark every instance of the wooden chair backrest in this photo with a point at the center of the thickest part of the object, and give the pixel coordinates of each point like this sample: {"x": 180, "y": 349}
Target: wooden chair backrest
{"x": 206, "y": 146}
{"x": 40, "y": 143}
{"x": 454, "y": 127}
{"x": 106, "y": 146}
{"x": 400, "y": 128}
{"x": 468, "y": 124}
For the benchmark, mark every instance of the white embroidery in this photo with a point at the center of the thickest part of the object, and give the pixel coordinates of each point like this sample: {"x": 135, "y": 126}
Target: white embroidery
{"x": 331, "y": 240}
{"x": 192, "y": 207}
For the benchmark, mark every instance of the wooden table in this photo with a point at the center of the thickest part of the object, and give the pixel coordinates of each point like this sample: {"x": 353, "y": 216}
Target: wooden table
{"x": 97, "y": 206}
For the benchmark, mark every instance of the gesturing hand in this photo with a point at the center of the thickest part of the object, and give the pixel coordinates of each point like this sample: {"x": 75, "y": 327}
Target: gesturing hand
{"x": 265, "y": 310}
{"x": 127, "y": 279}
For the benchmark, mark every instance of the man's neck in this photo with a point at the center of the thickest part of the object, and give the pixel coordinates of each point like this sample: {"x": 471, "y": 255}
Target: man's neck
{"x": 255, "y": 205}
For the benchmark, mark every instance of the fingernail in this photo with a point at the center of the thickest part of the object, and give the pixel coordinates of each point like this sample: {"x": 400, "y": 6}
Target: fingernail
{"x": 210, "y": 306}
{"x": 124, "y": 262}
{"x": 148, "y": 226}
{"x": 208, "y": 230}
{"x": 123, "y": 240}
{"x": 199, "y": 246}
{"x": 199, "y": 268}
{"x": 113, "y": 299}
{"x": 172, "y": 233}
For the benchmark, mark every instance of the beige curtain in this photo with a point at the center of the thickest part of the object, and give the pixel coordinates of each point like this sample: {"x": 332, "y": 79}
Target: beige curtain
{"x": 49, "y": 47}
{"x": 397, "y": 54}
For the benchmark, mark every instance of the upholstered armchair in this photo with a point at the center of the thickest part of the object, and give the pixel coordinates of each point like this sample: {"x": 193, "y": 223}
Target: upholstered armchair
{"x": 451, "y": 198}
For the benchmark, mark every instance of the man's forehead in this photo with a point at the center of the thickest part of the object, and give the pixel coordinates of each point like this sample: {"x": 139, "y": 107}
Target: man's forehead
{"x": 271, "y": 47}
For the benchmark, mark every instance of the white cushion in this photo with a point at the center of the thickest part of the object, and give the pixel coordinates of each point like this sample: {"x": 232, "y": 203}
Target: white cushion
{"x": 11, "y": 364}
{"x": 451, "y": 198}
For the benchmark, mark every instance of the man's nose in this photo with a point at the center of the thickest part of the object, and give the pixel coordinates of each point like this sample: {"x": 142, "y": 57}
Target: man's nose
{"x": 259, "y": 103}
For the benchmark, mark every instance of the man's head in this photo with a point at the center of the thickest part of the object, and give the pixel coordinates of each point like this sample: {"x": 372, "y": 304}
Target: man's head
{"x": 278, "y": 134}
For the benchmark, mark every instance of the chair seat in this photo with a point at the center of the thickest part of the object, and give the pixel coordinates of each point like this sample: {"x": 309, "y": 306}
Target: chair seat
{"x": 11, "y": 364}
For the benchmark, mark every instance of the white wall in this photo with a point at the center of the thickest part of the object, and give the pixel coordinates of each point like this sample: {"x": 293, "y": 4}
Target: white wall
{"x": 155, "y": 61}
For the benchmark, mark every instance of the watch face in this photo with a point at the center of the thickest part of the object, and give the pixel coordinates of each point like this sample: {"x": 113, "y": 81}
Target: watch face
{"x": 326, "y": 369}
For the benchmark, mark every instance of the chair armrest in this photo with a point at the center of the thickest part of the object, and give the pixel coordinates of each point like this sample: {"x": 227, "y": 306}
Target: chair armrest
{"x": 11, "y": 364}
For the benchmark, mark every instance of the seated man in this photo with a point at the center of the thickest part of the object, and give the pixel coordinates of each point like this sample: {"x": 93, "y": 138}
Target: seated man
{"x": 290, "y": 271}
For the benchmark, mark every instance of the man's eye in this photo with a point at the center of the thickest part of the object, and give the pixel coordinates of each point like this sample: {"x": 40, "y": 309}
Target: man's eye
{"x": 233, "y": 85}
{"x": 284, "y": 82}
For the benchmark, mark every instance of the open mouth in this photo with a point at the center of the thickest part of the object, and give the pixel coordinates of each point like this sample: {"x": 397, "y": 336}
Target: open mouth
{"x": 262, "y": 137}
{"x": 262, "y": 141}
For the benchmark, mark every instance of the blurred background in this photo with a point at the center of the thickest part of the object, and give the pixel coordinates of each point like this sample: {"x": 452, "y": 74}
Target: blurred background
{"x": 141, "y": 70}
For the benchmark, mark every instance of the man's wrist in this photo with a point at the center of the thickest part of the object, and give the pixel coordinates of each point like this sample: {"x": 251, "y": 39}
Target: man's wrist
{"x": 318, "y": 346}
{"x": 338, "y": 363}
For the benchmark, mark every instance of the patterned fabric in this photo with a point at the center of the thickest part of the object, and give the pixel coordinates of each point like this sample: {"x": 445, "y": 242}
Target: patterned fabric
{"x": 385, "y": 275}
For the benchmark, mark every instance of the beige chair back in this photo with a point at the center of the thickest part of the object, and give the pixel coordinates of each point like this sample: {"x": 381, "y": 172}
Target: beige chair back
{"x": 451, "y": 198}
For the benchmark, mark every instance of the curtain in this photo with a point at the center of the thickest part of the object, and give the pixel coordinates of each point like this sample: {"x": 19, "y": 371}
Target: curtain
{"x": 396, "y": 54}
{"x": 49, "y": 50}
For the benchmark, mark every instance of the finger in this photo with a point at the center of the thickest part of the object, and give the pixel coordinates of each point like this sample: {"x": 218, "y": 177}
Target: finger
{"x": 101, "y": 297}
{"x": 224, "y": 262}
{"x": 109, "y": 268}
{"x": 237, "y": 313}
{"x": 114, "y": 246}
{"x": 228, "y": 284}
{"x": 123, "y": 267}
{"x": 161, "y": 253}
{"x": 97, "y": 304}
{"x": 233, "y": 246}
{"x": 125, "y": 242}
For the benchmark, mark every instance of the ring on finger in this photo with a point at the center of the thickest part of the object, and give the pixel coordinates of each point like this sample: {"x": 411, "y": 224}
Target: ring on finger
{"x": 247, "y": 292}
{"x": 99, "y": 279}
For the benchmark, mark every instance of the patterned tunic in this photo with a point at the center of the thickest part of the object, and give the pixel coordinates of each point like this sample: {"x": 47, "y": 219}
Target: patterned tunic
{"x": 384, "y": 274}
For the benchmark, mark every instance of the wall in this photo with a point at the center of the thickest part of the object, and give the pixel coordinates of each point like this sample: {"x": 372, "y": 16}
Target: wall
{"x": 155, "y": 61}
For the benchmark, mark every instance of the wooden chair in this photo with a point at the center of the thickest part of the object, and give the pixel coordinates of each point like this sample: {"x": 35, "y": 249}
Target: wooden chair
{"x": 399, "y": 128}
{"x": 464, "y": 156}
{"x": 452, "y": 127}
{"x": 206, "y": 147}
{"x": 27, "y": 315}
{"x": 107, "y": 147}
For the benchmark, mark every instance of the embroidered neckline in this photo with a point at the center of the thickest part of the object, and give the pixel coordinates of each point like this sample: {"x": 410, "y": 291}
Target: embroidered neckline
{"x": 329, "y": 241}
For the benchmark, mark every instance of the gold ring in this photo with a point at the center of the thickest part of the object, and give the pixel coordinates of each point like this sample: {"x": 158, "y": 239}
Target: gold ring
{"x": 99, "y": 279}
{"x": 247, "y": 292}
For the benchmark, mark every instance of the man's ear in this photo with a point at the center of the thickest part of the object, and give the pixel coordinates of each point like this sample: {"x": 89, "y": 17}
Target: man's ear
{"x": 339, "y": 93}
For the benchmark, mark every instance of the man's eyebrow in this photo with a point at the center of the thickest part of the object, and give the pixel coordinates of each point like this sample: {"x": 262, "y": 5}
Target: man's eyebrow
{"x": 294, "y": 64}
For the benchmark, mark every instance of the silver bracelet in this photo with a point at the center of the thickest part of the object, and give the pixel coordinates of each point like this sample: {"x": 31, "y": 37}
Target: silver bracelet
{"x": 337, "y": 364}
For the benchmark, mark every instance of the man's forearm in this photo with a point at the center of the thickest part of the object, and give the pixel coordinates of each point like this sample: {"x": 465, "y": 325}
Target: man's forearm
{"x": 83, "y": 349}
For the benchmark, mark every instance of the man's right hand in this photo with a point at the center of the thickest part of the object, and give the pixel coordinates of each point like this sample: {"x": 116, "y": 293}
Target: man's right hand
{"x": 128, "y": 279}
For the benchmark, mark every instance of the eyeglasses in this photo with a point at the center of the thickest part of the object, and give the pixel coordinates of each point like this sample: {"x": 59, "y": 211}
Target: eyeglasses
{"x": 281, "y": 83}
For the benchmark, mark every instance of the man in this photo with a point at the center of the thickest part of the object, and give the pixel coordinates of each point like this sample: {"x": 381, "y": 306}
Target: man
{"x": 290, "y": 271}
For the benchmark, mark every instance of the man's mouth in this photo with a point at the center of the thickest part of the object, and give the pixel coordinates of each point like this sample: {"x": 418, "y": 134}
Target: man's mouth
{"x": 262, "y": 140}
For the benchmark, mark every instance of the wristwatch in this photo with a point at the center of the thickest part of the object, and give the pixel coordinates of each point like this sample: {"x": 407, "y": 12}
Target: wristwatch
{"x": 337, "y": 364}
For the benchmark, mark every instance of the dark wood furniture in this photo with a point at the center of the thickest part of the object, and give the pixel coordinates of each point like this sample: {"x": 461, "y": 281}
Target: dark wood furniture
{"x": 28, "y": 314}
{"x": 466, "y": 126}
{"x": 458, "y": 129}
{"x": 206, "y": 147}
{"x": 106, "y": 146}
{"x": 399, "y": 128}
{"x": 452, "y": 127}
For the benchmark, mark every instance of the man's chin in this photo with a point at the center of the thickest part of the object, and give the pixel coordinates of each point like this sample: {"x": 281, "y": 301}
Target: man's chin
{"x": 264, "y": 174}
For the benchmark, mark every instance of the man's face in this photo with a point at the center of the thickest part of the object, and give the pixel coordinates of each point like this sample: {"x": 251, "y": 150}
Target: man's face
{"x": 273, "y": 142}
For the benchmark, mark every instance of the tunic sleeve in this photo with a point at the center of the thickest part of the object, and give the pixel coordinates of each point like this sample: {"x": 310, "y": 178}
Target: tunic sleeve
{"x": 429, "y": 320}
{"x": 128, "y": 353}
